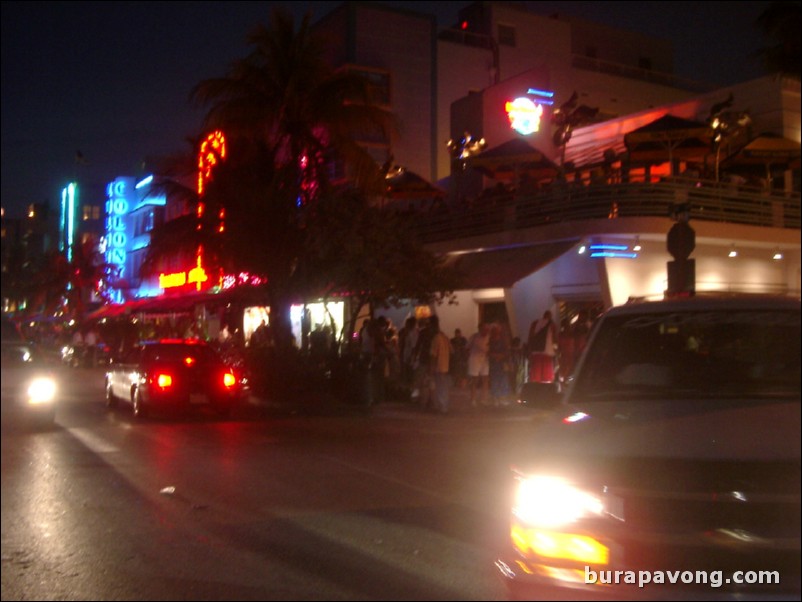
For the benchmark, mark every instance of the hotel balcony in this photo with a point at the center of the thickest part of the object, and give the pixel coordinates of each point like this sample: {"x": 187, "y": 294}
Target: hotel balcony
{"x": 564, "y": 212}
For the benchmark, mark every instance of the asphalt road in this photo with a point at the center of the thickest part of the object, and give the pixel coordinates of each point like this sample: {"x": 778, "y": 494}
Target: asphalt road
{"x": 282, "y": 502}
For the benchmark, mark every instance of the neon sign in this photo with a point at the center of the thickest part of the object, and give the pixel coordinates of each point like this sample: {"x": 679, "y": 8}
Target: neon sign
{"x": 195, "y": 276}
{"x": 212, "y": 151}
{"x": 524, "y": 115}
{"x": 116, "y": 237}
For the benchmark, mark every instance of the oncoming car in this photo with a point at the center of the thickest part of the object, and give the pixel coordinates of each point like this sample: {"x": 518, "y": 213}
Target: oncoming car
{"x": 172, "y": 374}
{"x": 674, "y": 452}
{"x": 29, "y": 385}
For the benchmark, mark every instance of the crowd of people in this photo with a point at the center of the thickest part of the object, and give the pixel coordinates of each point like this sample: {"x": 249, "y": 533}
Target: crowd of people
{"x": 421, "y": 364}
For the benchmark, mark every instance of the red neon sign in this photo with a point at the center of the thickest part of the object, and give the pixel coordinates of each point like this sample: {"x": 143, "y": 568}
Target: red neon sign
{"x": 196, "y": 276}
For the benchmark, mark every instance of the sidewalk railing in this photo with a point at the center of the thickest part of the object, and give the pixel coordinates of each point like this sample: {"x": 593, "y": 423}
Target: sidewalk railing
{"x": 707, "y": 201}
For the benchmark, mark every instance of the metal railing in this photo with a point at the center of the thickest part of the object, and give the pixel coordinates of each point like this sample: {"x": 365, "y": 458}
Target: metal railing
{"x": 708, "y": 201}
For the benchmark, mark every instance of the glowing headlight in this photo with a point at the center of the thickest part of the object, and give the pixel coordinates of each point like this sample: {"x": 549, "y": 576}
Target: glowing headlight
{"x": 552, "y": 502}
{"x": 41, "y": 390}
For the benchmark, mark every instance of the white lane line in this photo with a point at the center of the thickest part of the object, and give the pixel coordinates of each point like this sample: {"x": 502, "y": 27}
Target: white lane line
{"x": 93, "y": 441}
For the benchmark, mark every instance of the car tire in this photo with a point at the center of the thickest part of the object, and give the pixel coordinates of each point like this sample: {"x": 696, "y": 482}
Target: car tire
{"x": 139, "y": 409}
{"x": 111, "y": 400}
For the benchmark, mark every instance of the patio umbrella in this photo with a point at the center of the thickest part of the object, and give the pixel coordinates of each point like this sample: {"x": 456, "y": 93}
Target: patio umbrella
{"x": 762, "y": 154}
{"x": 669, "y": 138}
{"x": 510, "y": 161}
{"x": 405, "y": 184}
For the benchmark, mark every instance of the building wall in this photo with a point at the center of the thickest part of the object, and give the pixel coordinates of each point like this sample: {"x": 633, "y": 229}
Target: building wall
{"x": 578, "y": 278}
{"x": 549, "y": 47}
{"x": 371, "y": 35}
{"x": 461, "y": 71}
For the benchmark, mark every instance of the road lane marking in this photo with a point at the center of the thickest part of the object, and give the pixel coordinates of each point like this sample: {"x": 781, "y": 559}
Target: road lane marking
{"x": 93, "y": 441}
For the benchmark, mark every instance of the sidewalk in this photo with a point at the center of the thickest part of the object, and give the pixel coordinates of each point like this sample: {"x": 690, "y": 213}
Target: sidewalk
{"x": 329, "y": 404}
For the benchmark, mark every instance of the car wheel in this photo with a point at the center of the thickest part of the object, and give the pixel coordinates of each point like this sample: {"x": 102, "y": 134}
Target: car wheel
{"x": 140, "y": 411}
{"x": 111, "y": 400}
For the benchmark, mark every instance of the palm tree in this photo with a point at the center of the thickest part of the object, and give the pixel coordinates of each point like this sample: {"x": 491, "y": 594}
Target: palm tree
{"x": 372, "y": 255}
{"x": 59, "y": 283}
{"x": 287, "y": 114}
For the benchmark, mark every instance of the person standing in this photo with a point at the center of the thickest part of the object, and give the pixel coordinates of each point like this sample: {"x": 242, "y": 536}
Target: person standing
{"x": 498, "y": 362}
{"x": 423, "y": 382}
{"x": 439, "y": 365}
{"x": 478, "y": 364}
{"x": 541, "y": 345}
{"x": 519, "y": 365}
{"x": 459, "y": 358}
{"x": 407, "y": 340}
{"x": 91, "y": 341}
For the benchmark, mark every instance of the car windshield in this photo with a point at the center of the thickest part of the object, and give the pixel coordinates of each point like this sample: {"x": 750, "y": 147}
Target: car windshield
{"x": 173, "y": 353}
{"x": 694, "y": 354}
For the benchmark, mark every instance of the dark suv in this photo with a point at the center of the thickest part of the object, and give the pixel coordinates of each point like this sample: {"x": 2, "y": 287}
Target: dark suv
{"x": 173, "y": 374}
{"x": 670, "y": 466}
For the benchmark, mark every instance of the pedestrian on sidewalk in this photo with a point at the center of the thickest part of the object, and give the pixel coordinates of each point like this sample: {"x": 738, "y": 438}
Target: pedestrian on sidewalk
{"x": 478, "y": 365}
{"x": 440, "y": 364}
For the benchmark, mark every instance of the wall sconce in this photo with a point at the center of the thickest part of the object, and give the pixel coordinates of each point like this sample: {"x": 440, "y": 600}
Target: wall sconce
{"x": 733, "y": 252}
{"x": 777, "y": 255}
{"x": 637, "y": 246}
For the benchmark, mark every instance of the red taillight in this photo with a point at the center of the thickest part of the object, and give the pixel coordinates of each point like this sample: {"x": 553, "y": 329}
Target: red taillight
{"x": 229, "y": 380}
{"x": 189, "y": 360}
{"x": 164, "y": 380}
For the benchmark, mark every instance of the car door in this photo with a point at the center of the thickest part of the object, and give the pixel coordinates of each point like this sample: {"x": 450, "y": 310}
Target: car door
{"x": 124, "y": 373}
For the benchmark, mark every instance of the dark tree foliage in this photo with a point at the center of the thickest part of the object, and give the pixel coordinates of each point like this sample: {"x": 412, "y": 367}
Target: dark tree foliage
{"x": 370, "y": 255}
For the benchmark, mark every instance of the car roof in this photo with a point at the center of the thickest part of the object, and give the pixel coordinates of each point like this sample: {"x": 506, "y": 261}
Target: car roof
{"x": 709, "y": 303}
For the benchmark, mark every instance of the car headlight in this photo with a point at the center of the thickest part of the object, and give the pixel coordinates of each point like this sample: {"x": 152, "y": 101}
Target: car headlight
{"x": 546, "y": 508}
{"x": 41, "y": 390}
{"x": 551, "y": 502}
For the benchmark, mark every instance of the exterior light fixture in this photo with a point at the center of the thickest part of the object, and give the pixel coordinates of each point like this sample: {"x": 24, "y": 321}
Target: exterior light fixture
{"x": 733, "y": 252}
{"x": 582, "y": 249}
{"x": 637, "y": 246}
{"x": 777, "y": 255}
{"x": 606, "y": 250}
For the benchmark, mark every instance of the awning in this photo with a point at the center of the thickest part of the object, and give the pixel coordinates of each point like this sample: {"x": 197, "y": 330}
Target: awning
{"x": 167, "y": 305}
{"x": 502, "y": 268}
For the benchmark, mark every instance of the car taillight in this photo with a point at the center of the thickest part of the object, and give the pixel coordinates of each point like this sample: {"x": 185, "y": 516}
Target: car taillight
{"x": 229, "y": 380}
{"x": 164, "y": 380}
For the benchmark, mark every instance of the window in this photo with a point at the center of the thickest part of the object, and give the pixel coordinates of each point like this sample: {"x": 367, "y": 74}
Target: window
{"x": 506, "y": 35}
{"x": 91, "y": 212}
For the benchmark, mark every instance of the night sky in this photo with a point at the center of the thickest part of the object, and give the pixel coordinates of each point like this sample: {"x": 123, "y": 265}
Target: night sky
{"x": 112, "y": 79}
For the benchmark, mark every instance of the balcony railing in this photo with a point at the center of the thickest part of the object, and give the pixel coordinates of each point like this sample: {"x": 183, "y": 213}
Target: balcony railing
{"x": 706, "y": 201}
